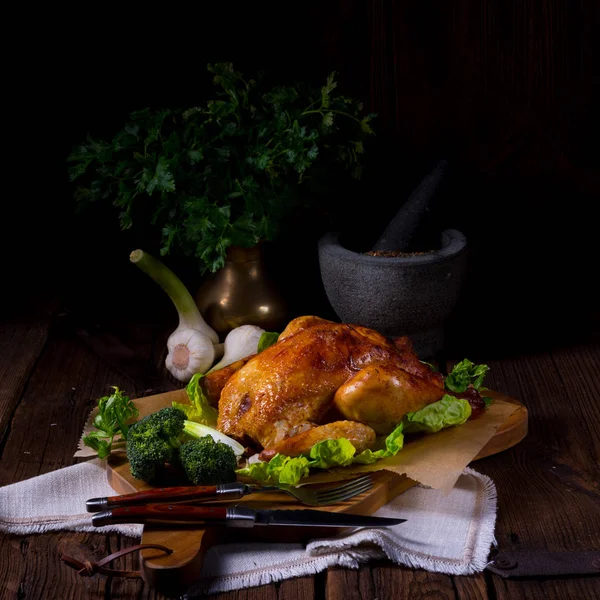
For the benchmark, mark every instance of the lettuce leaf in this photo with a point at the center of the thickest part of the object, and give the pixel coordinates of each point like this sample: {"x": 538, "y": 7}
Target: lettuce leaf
{"x": 393, "y": 444}
{"x": 293, "y": 470}
{"x": 284, "y": 470}
{"x": 199, "y": 410}
{"x": 465, "y": 373}
{"x": 447, "y": 412}
{"x": 444, "y": 413}
{"x": 332, "y": 453}
{"x": 281, "y": 469}
{"x": 268, "y": 338}
{"x": 259, "y": 471}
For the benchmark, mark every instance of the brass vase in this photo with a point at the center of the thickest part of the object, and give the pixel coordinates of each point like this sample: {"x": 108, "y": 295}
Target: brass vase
{"x": 242, "y": 293}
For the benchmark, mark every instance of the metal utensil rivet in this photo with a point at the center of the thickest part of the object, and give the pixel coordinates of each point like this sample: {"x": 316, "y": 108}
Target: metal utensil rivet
{"x": 506, "y": 563}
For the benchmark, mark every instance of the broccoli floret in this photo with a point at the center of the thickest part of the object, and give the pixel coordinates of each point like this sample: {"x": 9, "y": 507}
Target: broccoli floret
{"x": 154, "y": 441}
{"x": 207, "y": 462}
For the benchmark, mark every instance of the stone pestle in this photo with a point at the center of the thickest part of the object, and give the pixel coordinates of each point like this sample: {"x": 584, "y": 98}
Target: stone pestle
{"x": 402, "y": 227}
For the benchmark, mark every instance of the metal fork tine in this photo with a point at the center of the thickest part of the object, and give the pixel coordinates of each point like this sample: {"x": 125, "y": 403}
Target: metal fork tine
{"x": 345, "y": 486}
{"x": 343, "y": 497}
{"x": 349, "y": 493}
{"x": 349, "y": 484}
{"x": 347, "y": 496}
{"x": 354, "y": 484}
{"x": 350, "y": 488}
{"x": 337, "y": 494}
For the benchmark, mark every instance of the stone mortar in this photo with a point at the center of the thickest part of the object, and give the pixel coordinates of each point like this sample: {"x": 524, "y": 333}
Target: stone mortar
{"x": 396, "y": 295}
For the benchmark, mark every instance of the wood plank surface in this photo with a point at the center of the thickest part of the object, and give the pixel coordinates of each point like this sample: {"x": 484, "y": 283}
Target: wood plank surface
{"x": 43, "y": 436}
{"x": 385, "y": 580}
{"x": 23, "y": 343}
{"x": 474, "y": 587}
{"x": 548, "y": 490}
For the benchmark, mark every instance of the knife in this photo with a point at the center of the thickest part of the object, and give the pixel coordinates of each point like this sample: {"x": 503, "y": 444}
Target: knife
{"x": 236, "y": 516}
{"x": 224, "y": 491}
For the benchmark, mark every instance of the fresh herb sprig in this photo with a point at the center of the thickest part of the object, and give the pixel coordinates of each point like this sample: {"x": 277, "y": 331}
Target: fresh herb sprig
{"x": 466, "y": 374}
{"x": 115, "y": 413}
{"x": 228, "y": 171}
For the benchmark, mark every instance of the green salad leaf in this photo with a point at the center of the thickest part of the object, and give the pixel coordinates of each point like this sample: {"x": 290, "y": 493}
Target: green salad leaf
{"x": 280, "y": 469}
{"x": 444, "y": 413}
{"x": 393, "y": 444}
{"x": 293, "y": 470}
{"x": 115, "y": 413}
{"x": 268, "y": 338}
{"x": 465, "y": 373}
{"x": 285, "y": 470}
{"x": 332, "y": 453}
{"x": 199, "y": 410}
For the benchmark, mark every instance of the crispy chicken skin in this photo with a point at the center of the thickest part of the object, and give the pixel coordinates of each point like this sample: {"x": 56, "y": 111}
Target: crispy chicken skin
{"x": 300, "y": 324}
{"x": 381, "y": 394}
{"x": 324, "y": 373}
{"x": 212, "y": 384}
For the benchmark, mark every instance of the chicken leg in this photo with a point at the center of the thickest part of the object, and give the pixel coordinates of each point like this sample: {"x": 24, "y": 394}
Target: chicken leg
{"x": 361, "y": 437}
{"x": 380, "y": 395}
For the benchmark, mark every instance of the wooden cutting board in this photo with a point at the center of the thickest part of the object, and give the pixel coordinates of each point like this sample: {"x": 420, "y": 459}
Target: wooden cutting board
{"x": 174, "y": 572}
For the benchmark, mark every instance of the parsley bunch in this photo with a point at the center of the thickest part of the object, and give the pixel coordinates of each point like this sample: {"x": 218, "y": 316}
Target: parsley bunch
{"x": 227, "y": 172}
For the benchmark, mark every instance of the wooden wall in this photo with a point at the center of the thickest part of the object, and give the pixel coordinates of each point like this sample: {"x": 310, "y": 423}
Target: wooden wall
{"x": 507, "y": 91}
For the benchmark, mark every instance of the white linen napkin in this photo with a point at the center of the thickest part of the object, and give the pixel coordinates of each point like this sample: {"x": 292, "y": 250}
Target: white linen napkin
{"x": 449, "y": 534}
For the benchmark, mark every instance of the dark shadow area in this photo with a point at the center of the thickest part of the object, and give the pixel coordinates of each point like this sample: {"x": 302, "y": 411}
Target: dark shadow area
{"x": 523, "y": 185}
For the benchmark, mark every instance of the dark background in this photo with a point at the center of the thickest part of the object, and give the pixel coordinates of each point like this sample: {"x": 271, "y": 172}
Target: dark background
{"x": 505, "y": 90}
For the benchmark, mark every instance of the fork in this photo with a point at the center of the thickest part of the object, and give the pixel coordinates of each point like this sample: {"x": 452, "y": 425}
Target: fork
{"x": 233, "y": 491}
{"x": 324, "y": 497}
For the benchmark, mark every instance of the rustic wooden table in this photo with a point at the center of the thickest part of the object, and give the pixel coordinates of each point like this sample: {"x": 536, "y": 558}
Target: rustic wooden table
{"x": 548, "y": 491}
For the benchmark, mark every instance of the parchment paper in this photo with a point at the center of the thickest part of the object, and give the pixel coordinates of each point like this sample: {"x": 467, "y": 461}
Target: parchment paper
{"x": 435, "y": 460}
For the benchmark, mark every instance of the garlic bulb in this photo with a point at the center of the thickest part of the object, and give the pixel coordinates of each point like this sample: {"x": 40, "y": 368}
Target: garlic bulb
{"x": 189, "y": 352}
{"x": 194, "y": 345}
{"x": 239, "y": 343}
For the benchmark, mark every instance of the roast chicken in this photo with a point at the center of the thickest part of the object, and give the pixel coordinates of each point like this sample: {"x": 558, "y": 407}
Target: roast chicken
{"x": 321, "y": 380}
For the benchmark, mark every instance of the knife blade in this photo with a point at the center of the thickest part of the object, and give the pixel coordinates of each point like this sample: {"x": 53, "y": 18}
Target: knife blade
{"x": 236, "y": 516}
{"x": 320, "y": 518}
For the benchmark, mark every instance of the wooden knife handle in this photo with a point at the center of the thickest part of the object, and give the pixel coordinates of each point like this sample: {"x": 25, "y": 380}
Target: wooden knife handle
{"x": 224, "y": 491}
{"x": 168, "y": 494}
{"x": 162, "y": 513}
